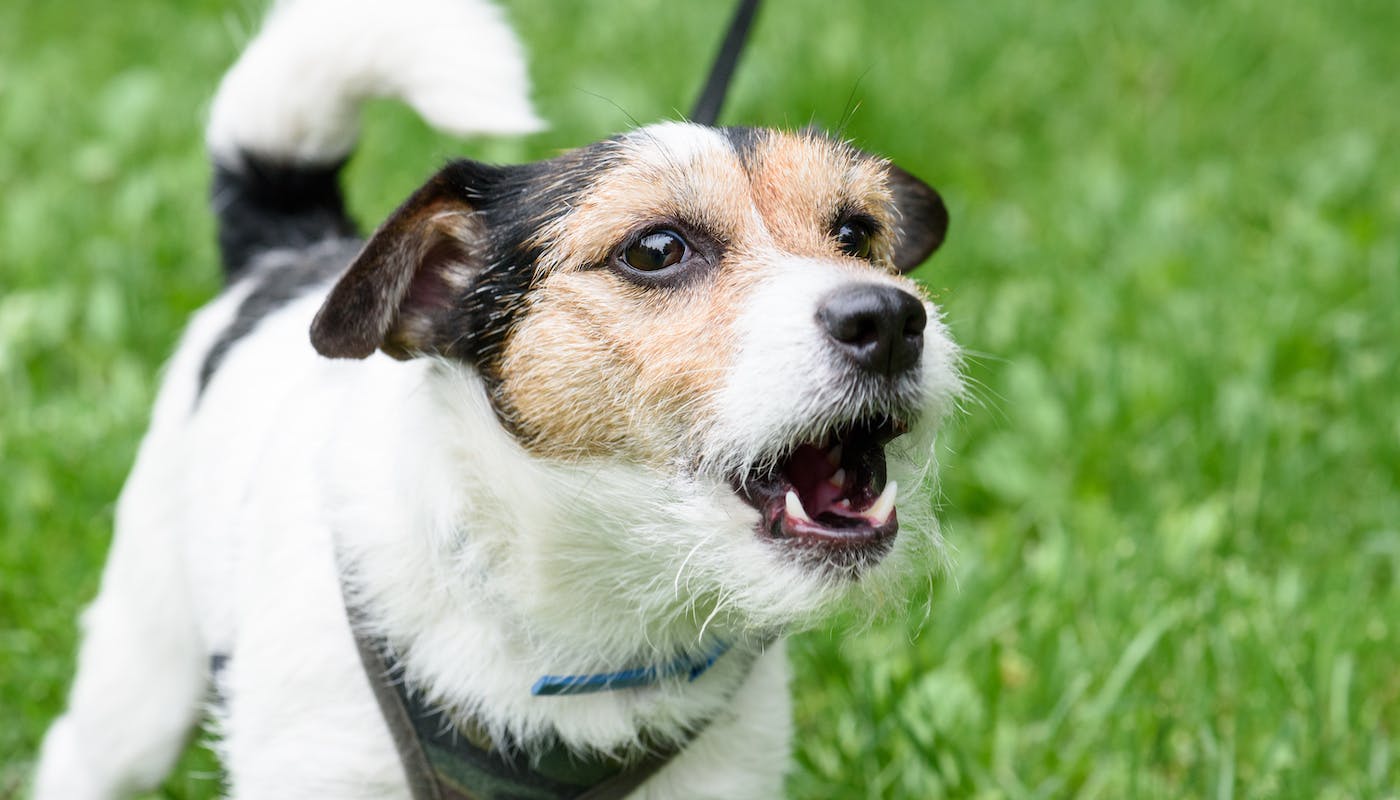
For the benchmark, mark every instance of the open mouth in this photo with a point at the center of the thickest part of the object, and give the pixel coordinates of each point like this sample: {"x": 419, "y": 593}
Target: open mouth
{"x": 831, "y": 496}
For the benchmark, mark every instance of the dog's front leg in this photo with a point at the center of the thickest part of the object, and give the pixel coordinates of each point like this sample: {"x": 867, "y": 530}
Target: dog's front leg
{"x": 301, "y": 720}
{"x": 313, "y": 735}
{"x": 142, "y": 665}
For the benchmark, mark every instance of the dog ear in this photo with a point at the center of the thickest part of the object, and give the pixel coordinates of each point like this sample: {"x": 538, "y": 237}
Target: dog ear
{"x": 411, "y": 272}
{"x": 922, "y": 219}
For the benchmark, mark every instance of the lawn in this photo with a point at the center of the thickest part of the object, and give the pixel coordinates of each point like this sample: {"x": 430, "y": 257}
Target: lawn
{"x": 1174, "y": 260}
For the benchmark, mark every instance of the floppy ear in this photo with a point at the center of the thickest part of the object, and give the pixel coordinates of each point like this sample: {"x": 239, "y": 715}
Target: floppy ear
{"x": 412, "y": 271}
{"x": 922, "y": 219}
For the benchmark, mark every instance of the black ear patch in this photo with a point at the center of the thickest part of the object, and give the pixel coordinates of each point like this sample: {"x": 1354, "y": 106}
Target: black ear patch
{"x": 407, "y": 279}
{"x": 922, "y": 219}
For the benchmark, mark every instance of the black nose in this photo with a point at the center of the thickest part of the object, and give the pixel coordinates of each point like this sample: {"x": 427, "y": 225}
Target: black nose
{"x": 880, "y": 327}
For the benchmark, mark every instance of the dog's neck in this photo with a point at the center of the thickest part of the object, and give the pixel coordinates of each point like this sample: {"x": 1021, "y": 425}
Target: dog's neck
{"x": 475, "y": 635}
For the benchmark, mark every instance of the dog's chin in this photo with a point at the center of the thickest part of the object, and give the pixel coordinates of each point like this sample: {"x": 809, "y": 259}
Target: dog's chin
{"x": 844, "y": 521}
{"x": 796, "y": 572}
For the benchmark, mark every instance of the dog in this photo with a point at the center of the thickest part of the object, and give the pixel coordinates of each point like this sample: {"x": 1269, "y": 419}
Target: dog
{"x": 637, "y": 411}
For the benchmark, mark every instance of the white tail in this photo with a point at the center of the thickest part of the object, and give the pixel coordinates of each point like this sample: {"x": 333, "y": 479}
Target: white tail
{"x": 294, "y": 94}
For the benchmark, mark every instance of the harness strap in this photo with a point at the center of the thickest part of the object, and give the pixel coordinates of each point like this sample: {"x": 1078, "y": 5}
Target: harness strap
{"x": 417, "y": 770}
{"x": 622, "y": 784}
{"x": 443, "y": 762}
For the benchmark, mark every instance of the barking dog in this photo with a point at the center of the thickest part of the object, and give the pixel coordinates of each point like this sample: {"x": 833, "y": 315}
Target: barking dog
{"x": 657, "y": 401}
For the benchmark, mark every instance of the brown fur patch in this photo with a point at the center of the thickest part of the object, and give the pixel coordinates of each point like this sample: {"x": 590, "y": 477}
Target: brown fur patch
{"x": 651, "y": 182}
{"x": 601, "y": 367}
{"x": 801, "y": 181}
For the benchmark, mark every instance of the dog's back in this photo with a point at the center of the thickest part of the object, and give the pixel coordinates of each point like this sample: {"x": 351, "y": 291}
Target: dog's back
{"x": 233, "y": 408}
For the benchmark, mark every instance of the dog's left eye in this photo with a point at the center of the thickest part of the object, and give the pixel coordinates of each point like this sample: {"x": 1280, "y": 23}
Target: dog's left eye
{"x": 654, "y": 251}
{"x": 853, "y": 237}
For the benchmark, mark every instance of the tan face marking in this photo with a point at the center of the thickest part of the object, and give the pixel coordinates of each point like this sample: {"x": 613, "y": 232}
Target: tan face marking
{"x": 801, "y": 181}
{"x": 698, "y": 180}
{"x": 602, "y": 366}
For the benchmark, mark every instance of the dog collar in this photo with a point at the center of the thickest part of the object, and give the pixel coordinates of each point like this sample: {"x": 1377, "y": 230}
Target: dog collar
{"x": 445, "y": 759}
{"x": 693, "y": 668}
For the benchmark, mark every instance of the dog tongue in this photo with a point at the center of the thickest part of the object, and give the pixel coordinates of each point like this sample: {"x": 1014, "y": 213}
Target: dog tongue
{"x": 810, "y": 470}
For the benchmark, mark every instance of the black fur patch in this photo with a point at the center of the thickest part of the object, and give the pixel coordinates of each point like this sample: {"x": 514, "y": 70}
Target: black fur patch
{"x": 746, "y": 142}
{"x": 262, "y": 205}
{"x": 514, "y": 203}
{"x": 923, "y": 219}
{"x": 281, "y": 278}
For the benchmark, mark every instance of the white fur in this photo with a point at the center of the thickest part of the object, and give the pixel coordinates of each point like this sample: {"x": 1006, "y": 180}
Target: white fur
{"x": 295, "y": 92}
{"x": 485, "y": 566}
{"x": 663, "y": 145}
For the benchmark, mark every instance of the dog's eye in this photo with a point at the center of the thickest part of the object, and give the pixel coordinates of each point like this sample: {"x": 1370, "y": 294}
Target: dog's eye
{"x": 654, "y": 251}
{"x": 853, "y": 237}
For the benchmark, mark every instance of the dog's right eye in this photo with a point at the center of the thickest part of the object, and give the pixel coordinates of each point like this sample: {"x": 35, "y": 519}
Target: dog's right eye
{"x": 853, "y": 237}
{"x": 654, "y": 251}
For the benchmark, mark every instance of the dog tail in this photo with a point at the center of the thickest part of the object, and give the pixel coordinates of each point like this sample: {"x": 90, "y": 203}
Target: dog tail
{"x": 285, "y": 118}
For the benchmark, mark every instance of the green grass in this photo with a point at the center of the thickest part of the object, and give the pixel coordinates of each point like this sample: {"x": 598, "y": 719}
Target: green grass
{"x": 1175, "y": 256}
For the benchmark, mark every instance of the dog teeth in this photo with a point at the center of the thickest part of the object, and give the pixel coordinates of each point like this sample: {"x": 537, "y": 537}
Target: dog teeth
{"x": 794, "y": 507}
{"x": 833, "y": 456}
{"x": 838, "y": 480}
{"x": 879, "y": 511}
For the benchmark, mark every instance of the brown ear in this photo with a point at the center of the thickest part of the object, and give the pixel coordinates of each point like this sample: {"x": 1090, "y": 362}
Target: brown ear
{"x": 409, "y": 274}
{"x": 922, "y": 219}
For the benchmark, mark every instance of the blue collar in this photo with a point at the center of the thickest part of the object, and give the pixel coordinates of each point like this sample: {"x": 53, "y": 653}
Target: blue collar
{"x": 549, "y": 685}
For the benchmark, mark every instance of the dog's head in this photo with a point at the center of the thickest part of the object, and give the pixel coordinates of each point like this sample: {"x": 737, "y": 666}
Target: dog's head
{"x": 707, "y": 337}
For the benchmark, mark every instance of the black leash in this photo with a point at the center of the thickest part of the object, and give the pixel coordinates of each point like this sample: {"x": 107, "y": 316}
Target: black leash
{"x": 711, "y": 100}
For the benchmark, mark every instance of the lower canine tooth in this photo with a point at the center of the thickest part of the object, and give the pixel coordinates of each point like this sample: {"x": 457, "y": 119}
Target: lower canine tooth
{"x": 794, "y": 507}
{"x": 879, "y": 511}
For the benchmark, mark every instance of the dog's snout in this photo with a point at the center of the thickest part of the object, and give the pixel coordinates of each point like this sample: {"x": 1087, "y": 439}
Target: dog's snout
{"x": 879, "y": 327}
